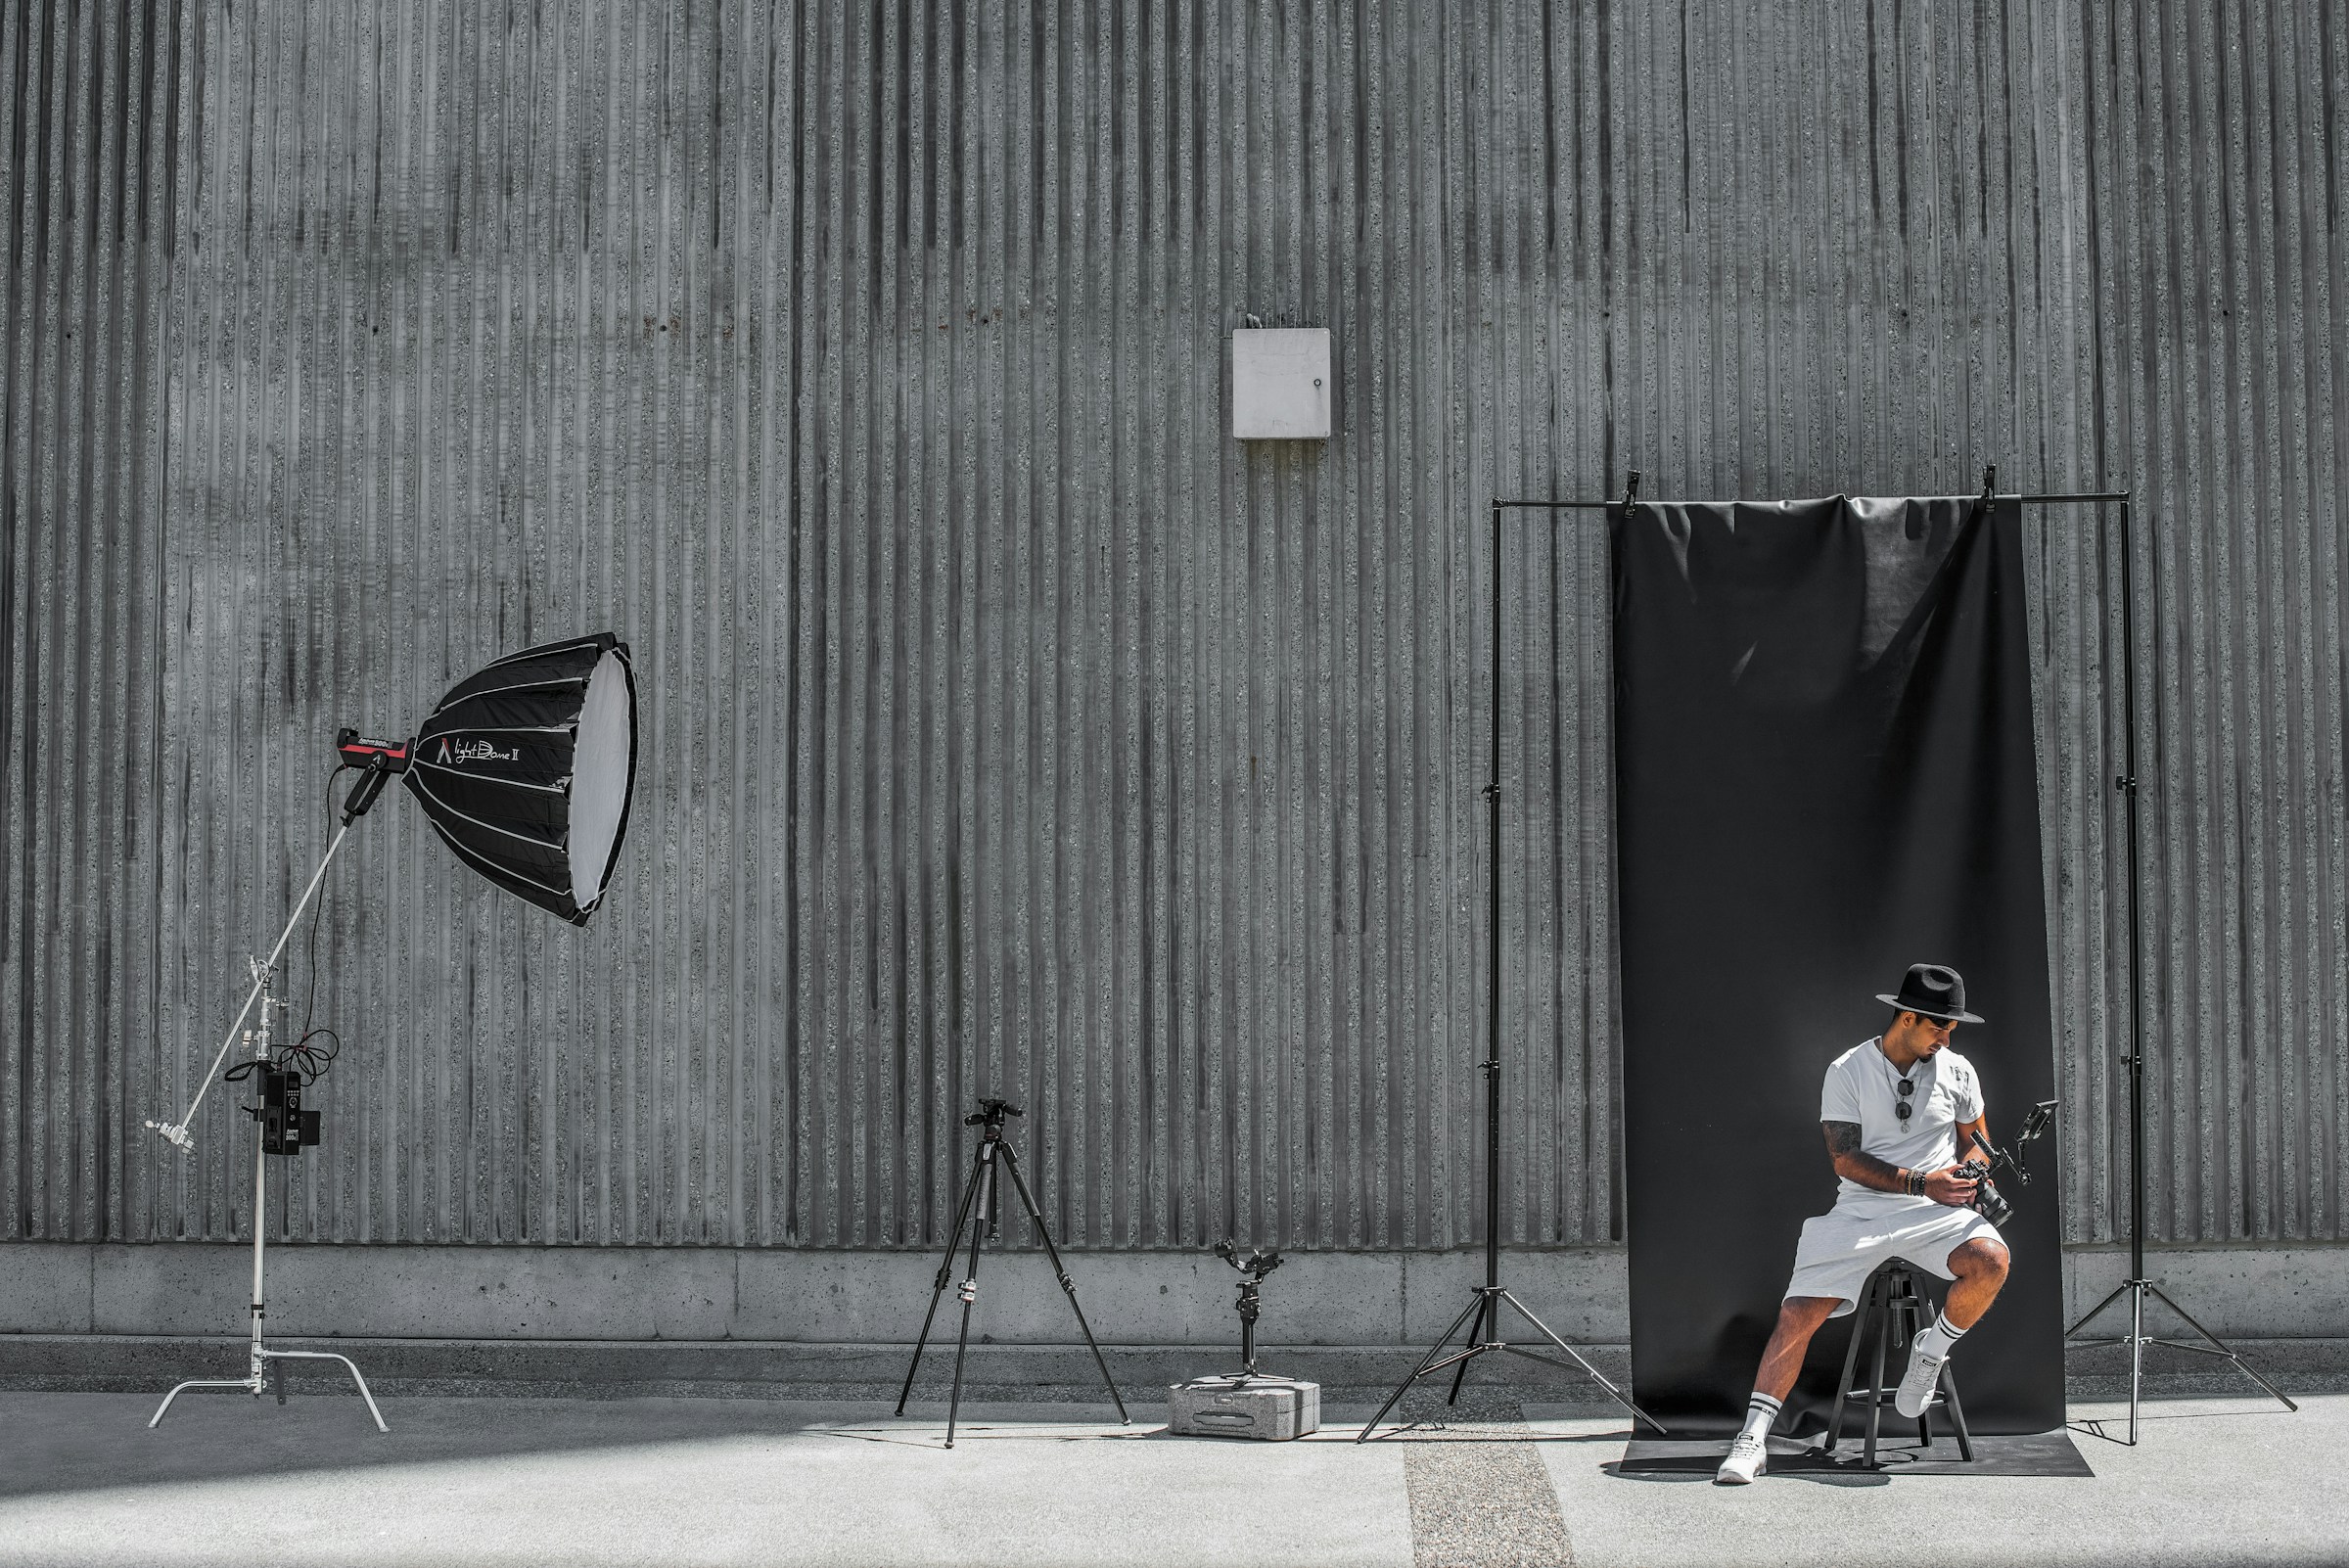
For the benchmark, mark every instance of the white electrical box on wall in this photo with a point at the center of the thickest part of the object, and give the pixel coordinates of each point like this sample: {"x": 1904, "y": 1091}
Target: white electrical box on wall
{"x": 1280, "y": 384}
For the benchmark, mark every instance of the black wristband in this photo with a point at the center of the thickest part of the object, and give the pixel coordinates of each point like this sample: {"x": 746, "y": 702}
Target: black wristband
{"x": 1917, "y": 1183}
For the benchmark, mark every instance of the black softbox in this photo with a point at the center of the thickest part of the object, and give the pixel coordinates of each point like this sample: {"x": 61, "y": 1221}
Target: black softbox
{"x": 526, "y": 770}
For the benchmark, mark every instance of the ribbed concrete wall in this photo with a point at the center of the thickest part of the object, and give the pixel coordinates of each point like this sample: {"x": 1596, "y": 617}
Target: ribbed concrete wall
{"x": 1008, "y": 726}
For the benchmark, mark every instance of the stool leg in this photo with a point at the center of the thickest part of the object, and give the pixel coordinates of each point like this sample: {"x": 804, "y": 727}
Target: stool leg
{"x": 1916, "y": 1309}
{"x": 1843, "y": 1384}
{"x": 1875, "y": 1393}
{"x": 1965, "y": 1440}
{"x": 1851, "y": 1360}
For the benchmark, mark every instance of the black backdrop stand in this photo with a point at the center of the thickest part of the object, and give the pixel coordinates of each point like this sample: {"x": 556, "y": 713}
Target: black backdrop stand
{"x": 1482, "y": 1316}
{"x": 2139, "y": 1286}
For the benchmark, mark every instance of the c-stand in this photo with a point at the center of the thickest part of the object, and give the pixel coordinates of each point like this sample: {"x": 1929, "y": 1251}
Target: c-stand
{"x": 979, "y": 1199}
{"x": 271, "y": 1136}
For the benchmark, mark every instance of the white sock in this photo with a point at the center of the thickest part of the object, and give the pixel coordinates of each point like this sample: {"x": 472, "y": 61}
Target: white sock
{"x": 1760, "y": 1413}
{"x": 1939, "y": 1339}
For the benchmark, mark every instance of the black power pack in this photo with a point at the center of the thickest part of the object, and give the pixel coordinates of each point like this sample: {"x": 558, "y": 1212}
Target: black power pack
{"x": 286, "y": 1128}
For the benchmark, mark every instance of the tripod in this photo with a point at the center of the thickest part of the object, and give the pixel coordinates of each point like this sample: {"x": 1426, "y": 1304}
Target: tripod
{"x": 978, "y": 1209}
{"x": 263, "y": 1367}
{"x": 1482, "y": 1316}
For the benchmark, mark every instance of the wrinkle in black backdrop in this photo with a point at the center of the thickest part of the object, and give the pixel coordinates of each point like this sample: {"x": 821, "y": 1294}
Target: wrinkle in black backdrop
{"x": 1824, "y": 773}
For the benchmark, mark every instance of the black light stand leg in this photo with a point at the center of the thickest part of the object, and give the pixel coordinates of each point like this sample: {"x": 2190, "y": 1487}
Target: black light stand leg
{"x": 1428, "y": 1363}
{"x": 986, "y": 1175}
{"x": 1476, "y": 1336}
{"x": 1544, "y": 1330}
{"x": 1035, "y": 1217}
{"x": 2217, "y": 1346}
{"x": 946, "y": 1271}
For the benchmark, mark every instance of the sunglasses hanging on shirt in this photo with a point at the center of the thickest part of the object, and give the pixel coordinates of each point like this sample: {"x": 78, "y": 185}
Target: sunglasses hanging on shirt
{"x": 1901, "y": 1109}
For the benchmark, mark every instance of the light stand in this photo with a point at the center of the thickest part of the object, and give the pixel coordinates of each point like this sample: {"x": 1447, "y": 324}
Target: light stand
{"x": 260, "y": 1368}
{"x": 2139, "y": 1286}
{"x": 1482, "y": 1316}
{"x": 979, "y": 1208}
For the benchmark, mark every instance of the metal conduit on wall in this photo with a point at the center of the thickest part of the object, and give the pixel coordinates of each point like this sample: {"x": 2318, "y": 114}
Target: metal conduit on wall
{"x": 1009, "y": 727}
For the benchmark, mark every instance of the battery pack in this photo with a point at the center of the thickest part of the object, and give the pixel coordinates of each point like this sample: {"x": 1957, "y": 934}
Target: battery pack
{"x": 1272, "y": 1410}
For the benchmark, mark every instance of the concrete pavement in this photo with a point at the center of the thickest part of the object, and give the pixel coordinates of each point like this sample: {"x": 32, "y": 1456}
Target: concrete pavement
{"x": 655, "y": 1481}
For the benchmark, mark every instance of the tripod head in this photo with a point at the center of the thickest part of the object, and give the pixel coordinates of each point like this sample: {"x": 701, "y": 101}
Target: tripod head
{"x": 990, "y": 1115}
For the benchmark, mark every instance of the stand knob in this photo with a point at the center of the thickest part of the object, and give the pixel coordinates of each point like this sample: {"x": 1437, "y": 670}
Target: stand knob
{"x": 176, "y": 1135}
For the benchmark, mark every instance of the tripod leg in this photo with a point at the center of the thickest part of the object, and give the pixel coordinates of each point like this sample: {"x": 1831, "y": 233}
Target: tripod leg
{"x": 1486, "y": 1318}
{"x": 2137, "y": 1351}
{"x": 1589, "y": 1370}
{"x": 1035, "y": 1217}
{"x": 2221, "y": 1346}
{"x": 1425, "y": 1362}
{"x": 970, "y": 1299}
{"x": 945, "y": 1270}
{"x": 2095, "y": 1311}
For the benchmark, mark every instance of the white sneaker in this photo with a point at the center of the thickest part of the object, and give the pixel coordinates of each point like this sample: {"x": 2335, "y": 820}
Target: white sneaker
{"x": 1917, "y": 1389}
{"x": 1747, "y": 1460}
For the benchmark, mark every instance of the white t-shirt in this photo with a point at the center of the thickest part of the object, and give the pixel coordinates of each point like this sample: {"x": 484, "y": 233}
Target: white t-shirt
{"x": 1864, "y": 1086}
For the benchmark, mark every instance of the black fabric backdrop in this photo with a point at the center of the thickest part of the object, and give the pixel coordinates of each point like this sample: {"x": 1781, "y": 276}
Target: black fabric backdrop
{"x": 1826, "y": 773}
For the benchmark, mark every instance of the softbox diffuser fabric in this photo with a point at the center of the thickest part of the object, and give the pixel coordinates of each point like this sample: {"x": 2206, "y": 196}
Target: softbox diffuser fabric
{"x": 526, "y": 770}
{"x": 1825, "y": 772}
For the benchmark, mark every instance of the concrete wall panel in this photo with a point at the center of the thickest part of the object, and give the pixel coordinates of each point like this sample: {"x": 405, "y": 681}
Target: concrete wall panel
{"x": 1008, "y": 727}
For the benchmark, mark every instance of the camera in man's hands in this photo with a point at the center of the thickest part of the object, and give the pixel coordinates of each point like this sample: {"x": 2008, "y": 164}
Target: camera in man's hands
{"x": 1989, "y": 1202}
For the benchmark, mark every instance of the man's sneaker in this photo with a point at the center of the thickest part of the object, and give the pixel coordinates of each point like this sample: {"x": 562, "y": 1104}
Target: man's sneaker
{"x": 1917, "y": 1389}
{"x": 1746, "y": 1461}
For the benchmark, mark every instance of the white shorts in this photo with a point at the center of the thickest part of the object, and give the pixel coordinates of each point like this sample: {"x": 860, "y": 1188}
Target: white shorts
{"x": 1842, "y": 1247}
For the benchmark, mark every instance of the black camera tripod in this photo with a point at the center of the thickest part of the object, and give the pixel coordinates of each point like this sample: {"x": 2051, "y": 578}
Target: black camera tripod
{"x": 978, "y": 1210}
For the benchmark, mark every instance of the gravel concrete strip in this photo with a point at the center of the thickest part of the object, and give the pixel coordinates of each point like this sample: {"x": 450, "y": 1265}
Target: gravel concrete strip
{"x": 1481, "y": 1497}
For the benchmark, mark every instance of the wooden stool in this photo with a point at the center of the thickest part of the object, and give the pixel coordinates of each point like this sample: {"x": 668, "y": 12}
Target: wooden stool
{"x": 1892, "y": 1298}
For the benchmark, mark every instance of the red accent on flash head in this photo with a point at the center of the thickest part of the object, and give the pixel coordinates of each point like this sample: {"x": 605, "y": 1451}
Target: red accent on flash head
{"x": 361, "y": 751}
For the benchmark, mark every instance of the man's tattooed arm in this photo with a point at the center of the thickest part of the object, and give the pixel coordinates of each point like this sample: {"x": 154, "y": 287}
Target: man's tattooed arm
{"x": 1843, "y": 1147}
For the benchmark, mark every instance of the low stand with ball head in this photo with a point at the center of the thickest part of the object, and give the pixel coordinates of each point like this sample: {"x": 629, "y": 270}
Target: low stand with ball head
{"x": 978, "y": 1210}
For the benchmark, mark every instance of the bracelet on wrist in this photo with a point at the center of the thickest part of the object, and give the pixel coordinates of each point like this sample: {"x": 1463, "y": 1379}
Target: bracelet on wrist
{"x": 1915, "y": 1183}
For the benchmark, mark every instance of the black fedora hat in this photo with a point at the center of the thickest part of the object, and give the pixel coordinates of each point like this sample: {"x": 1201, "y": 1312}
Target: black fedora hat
{"x": 1932, "y": 990}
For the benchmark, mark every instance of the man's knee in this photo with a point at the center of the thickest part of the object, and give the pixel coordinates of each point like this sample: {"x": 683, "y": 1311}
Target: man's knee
{"x": 1981, "y": 1260}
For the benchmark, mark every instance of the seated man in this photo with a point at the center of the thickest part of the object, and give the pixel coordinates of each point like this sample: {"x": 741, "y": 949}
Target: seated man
{"x": 1895, "y": 1111}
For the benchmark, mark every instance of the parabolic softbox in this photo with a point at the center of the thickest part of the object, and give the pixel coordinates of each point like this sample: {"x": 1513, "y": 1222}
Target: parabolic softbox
{"x": 526, "y": 770}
